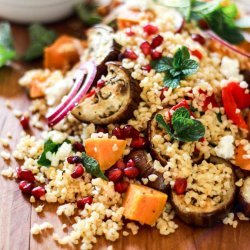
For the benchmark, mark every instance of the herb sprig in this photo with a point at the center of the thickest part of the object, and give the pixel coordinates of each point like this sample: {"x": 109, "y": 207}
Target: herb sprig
{"x": 176, "y": 68}
{"x": 184, "y": 128}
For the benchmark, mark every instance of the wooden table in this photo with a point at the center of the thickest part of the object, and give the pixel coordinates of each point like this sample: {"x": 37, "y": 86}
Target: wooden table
{"x": 17, "y": 215}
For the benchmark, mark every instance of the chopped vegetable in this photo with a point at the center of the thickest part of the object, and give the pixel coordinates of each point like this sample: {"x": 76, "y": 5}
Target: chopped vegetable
{"x": 36, "y": 89}
{"x": 240, "y": 160}
{"x": 63, "y": 53}
{"x": 7, "y": 51}
{"x": 40, "y": 37}
{"x": 128, "y": 18}
{"x": 92, "y": 166}
{"x": 143, "y": 204}
{"x": 184, "y": 128}
{"x": 106, "y": 151}
{"x": 176, "y": 68}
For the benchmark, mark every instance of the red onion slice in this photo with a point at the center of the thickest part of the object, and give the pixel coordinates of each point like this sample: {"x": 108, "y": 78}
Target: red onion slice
{"x": 225, "y": 43}
{"x": 75, "y": 96}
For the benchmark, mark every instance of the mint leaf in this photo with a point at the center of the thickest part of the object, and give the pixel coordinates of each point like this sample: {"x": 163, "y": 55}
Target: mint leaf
{"x": 230, "y": 11}
{"x": 170, "y": 81}
{"x": 162, "y": 64}
{"x": 49, "y": 146}
{"x": 189, "y": 67}
{"x": 92, "y": 166}
{"x": 40, "y": 37}
{"x": 159, "y": 118}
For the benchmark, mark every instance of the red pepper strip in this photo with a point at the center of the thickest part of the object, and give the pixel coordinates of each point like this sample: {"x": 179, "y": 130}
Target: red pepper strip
{"x": 231, "y": 107}
{"x": 240, "y": 97}
{"x": 181, "y": 104}
{"x": 208, "y": 100}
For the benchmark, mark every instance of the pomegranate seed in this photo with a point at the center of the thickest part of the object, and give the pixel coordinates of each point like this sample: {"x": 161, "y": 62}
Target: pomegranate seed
{"x": 24, "y": 121}
{"x": 25, "y": 175}
{"x": 130, "y": 163}
{"x": 196, "y": 53}
{"x": 130, "y": 54}
{"x": 74, "y": 159}
{"x": 146, "y": 67}
{"x": 150, "y": 29}
{"x": 91, "y": 93}
{"x": 121, "y": 187}
{"x": 203, "y": 24}
{"x": 180, "y": 185}
{"x": 131, "y": 172}
{"x": 100, "y": 84}
{"x": 129, "y": 32}
{"x": 78, "y": 172}
{"x": 155, "y": 54}
{"x": 145, "y": 48}
{"x": 139, "y": 142}
{"x": 120, "y": 164}
{"x": 82, "y": 202}
{"x": 198, "y": 38}
{"x": 100, "y": 129}
{"x": 202, "y": 139}
{"x": 26, "y": 187}
{"x": 38, "y": 192}
{"x": 157, "y": 41}
{"x": 130, "y": 132}
{"x": 162, "y": 96}
{"x": 114, "y": 174}
{"x": 118, "y": 132}
{"x": 78, "y": 147}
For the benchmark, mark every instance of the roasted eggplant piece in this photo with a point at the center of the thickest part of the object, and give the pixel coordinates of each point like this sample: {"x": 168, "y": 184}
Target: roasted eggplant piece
{"x": 244, "y": 197}
{"x": 115, "y": 102}
{"x": 209, "y": 215}
{"x": 102, "y": 47}
{"x": 146, "y": 168}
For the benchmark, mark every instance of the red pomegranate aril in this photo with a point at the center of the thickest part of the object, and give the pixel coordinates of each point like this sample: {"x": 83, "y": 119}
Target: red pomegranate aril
{"x": 131, "y": 172}
{"x": 145, "y": 48}
{"x": 155, "y": 54}
{"x": 150, "y": 29}
{"x": 203, "y": 24}
{"x": 130, "y": 132}
{"x": 114, "y": 174}
{"x": 26, "y": 187}
{"x": 100, "y": 84}
{"x": 74, "y": 159}
{"x": 147, "y": 67}
{"x": 25, "y": 175}
{"x": 38, "y": 192}
{"x": 91, "y": 93}
{"x": 198, "y": 38}
{"x": 202, "y": 139}
{"x": 121, "y": 186}
{"x": 196, "y": 53}
{"x": 120, "y": 164}
{"x": 129, "y": 32}
{"x": 100, "y": 129}
{"x": 180, "y": 185}
{"x": 78, "y": 147}
{"x": 82, "y": 202}
{"x": 78, "y": 171}
{"x": 157, "y": 41}
{"x": 130, "y": 54}
{"x": 118, "y": 132}
{"x": 24, "y": 121}
{"x": 139, "y": 142}
{"x": 130, "y": 163}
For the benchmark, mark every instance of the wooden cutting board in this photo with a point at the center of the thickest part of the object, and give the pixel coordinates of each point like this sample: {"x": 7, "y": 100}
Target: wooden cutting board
{"x": 17, "y": 215}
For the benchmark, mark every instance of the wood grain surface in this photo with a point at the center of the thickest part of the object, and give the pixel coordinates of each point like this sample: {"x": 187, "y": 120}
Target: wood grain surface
{"x": 17, "y": 215}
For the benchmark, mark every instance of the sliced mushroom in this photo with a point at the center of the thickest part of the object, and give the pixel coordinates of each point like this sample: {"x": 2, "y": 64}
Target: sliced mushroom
{"x": 146, "y": 168}
{"x": 102, "y": 47}
{"x": 244, "y": 197}
{"x": 210, "y": 214}
{"x": 115, "y": 102}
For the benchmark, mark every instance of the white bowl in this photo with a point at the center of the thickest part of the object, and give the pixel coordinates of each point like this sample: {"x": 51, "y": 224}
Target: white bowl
{"x": 30, "y": 11}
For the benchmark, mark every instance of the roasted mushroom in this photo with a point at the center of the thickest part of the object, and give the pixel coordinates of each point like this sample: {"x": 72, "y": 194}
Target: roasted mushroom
{"x": 102, "y": 47}
{"x": 210, "y": 214}
{"x": 244, "y": 197}
{"x": 114, "y": 102}
{"x": 146, "y": 168}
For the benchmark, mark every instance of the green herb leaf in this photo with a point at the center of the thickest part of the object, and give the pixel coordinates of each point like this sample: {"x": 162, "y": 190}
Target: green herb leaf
{"x": 40, "y": 37}
{"x": 7, "y": 51}
{"x": 87, "y": 13}
{"x": 162, "y": 64}
{"x": 92, "y": 166}
{"x": 189, "y": 67}
{"x": 159, "y": 118}
{"x": 230, "y": 11}
{"x": 219, "y": 115}
{"x": 170, "y": 81}
{"x": 49, "y": 146}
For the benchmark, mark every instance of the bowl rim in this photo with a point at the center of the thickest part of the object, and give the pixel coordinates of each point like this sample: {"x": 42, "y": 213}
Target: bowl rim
{"x": 35, "y": 4}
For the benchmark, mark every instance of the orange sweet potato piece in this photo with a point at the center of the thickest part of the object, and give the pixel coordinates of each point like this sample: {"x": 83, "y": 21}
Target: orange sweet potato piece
{"x": 143, "y": 204}
{"x": 240, "y": 161}
{"x": 63, "y": 53}
{"x": 106, "y": 151}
